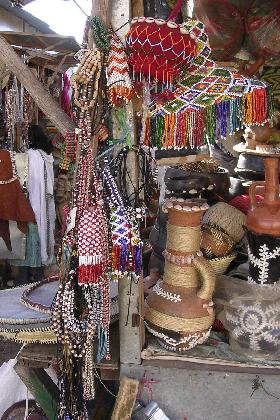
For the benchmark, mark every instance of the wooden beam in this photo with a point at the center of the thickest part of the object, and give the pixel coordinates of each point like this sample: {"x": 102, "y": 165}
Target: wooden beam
{"x": 130, "y": 320}
{"x": 36, "y": 90}
{"x": 125, "y": 399}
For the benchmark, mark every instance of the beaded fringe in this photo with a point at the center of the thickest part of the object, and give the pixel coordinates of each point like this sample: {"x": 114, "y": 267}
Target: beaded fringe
{"x": 187, "y": 128}
{"x": 91, "y": 268}
{"x": 126, "y": 259}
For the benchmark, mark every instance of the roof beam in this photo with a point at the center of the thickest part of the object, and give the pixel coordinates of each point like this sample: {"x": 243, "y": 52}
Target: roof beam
{"x": 40, "y": 95}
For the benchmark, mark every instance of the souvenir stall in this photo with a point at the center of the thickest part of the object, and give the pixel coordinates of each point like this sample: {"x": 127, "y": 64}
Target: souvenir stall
{"x": 168, "y": 262}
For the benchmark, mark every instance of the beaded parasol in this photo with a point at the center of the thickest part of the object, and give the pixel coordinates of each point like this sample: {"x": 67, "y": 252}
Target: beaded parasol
{"x": 206, "y": 103}
{"x": 161, "y": 51}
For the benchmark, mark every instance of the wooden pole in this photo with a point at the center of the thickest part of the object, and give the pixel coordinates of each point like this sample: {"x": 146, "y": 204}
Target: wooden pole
{"x": 101, "y": 8}
{"x": 130, "y": 294}
{"x": 40, "y": 95}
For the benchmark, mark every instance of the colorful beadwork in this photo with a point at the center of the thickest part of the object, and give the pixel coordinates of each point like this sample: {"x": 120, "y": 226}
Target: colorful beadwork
{"x": 162, "y": 51}
{"x": 124, "y": 232}
{"x": 208, "y": 104}
{"x": 118, "y": 79}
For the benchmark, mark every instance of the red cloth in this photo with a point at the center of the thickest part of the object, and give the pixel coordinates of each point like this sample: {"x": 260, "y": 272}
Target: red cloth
{"x": 243, "y": 202}
{"x": 13, "y": 203}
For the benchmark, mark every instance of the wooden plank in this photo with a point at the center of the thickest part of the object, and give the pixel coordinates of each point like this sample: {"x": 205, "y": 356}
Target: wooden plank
{"x": 130, "y": 294}
{"x": 130, "y": 331}
{"x": 40, "y": 95}
{"x": 137, "y": 8}
{"x": 125, "y": 399}
{"x": 39, "y": 355}
{"x": 207, "y": 365}
{"x": 41, "y": 386}
{"x": 63, "y": 44}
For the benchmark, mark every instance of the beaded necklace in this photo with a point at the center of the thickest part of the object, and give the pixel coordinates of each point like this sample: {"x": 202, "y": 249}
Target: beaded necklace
{"x": 81, "y": 310}
{"x": 125, "y": 254}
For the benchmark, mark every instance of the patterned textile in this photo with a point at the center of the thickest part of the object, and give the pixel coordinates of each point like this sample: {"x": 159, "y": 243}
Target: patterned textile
{"x": 126, "y": 254}
{"x": 208, "y": 104}
{"x": 32, "y": 251}
{"x": 264, "y": 258}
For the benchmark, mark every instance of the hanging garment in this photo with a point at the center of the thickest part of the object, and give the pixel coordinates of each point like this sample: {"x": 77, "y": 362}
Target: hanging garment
{"x": 32, "y": 255}
{"x": 15, "y": 211}
{"x": 13, "y": 203}
{"x": 40, "y": 189}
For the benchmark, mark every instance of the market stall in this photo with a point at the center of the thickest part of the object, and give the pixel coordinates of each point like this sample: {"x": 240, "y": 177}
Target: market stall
{"x": 169, "y": 253}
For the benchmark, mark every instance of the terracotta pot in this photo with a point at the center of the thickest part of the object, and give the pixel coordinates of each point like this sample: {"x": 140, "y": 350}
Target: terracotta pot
{"x": 264, "y": 217}
{"x": 179, "y": 311}
{"x": 180, "y": 218}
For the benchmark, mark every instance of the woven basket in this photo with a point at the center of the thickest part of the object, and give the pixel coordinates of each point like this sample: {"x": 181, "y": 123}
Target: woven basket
{"x": 215, "y": 242}
{"x": 227, "y": 217}
{"x": 220, "y": 265}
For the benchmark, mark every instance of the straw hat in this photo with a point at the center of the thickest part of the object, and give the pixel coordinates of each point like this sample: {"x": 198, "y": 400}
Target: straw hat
{"x": 228, "y": 218}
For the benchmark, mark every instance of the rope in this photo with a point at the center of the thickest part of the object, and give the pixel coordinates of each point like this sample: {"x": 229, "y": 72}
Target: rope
{"x": 207, "y": 276}
{"x": 180, "y": 276}
{"x": 183, "y": 239}
{"x": 175, "y": 323}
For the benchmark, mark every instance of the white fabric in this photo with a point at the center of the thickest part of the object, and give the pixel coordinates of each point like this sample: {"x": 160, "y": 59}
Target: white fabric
{"x": 37, "y": 196}
{"x": 12, "y": 388}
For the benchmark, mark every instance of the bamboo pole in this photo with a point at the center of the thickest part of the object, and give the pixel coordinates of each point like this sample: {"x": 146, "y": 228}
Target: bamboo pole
{"x": 40, "y": 95}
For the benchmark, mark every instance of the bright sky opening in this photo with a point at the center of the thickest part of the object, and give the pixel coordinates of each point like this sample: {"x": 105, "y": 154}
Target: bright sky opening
{"x": 63, "y": 16}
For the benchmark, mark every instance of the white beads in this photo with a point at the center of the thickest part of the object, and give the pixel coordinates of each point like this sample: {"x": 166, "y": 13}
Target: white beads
{"x": 172, "y": 25}
{"x": 160, "y": 22}
{"x": 193, "y": 191}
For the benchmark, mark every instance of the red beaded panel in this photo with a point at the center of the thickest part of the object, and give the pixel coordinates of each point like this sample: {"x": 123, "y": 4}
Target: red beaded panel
{"x": 161, "y": 50}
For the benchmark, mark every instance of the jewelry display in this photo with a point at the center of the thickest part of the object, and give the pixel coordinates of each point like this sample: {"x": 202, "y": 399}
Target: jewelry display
{"x": 81, "y": 310}
{"x": 209, "y": 103}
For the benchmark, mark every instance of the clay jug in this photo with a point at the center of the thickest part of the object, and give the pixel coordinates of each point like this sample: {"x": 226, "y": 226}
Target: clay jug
{"x": 179, "y": 311}
{"x": 264, "y": 217}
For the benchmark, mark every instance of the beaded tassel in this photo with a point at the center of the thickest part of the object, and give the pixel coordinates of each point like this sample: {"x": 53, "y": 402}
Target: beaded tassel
{"x": 124, "y": 232}
{"x": 118, "y": 79}
{"x": 92, "y": 245}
